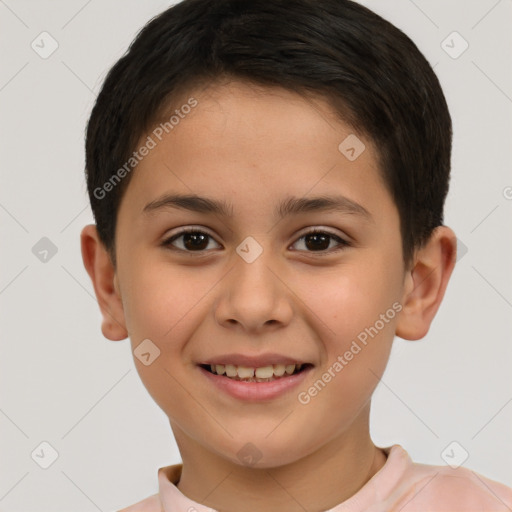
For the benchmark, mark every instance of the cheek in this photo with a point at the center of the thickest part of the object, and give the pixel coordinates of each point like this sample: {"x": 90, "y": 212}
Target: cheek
{"x": 356, "y": 307}
{"x": 158, "y": 298}
{"x": 350, "y": 297}
{"x": 159, "y": 305}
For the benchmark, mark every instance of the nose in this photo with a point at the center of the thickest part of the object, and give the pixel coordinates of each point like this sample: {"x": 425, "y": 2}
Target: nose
{"x": 254, "y": 296}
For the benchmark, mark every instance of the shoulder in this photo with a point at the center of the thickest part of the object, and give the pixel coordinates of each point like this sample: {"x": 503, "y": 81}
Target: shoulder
{"x": 149, "y": 504}
{"x": 452, "y": 490}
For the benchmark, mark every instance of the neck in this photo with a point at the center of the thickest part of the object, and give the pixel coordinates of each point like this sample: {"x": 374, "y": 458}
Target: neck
{"x": 316, "y": 482}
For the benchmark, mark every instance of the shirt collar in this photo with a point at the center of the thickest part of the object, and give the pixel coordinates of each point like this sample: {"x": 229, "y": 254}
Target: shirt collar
{"x": 374, "y": 491}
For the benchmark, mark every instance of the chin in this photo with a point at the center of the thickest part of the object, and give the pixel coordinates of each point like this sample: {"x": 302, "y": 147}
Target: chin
{"x": 261, "y": 452}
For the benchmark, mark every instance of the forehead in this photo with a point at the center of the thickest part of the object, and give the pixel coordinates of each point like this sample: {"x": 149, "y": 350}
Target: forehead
{"x": 242, "y": 141}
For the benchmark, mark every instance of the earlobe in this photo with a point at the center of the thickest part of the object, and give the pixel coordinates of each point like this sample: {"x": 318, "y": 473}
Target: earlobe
{"x": 98, "y": 264}
{"x": 425, "y": 284}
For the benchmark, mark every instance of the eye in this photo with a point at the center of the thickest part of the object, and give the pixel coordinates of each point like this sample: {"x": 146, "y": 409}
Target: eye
{"x": 194, "y": 240}
{"x": 319, "y": 241}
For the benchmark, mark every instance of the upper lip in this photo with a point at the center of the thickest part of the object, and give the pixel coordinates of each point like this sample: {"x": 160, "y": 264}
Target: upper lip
{"x": 253, "y": 361}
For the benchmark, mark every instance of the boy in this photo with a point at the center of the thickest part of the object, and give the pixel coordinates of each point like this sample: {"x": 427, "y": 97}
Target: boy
{"x": 268, "y": 181}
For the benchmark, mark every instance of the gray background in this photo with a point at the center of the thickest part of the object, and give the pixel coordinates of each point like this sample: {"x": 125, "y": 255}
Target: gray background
{"x": 63, "y": 383}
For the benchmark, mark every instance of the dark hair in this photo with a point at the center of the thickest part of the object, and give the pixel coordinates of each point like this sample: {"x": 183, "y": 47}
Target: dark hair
{"x": 369, "y": 71}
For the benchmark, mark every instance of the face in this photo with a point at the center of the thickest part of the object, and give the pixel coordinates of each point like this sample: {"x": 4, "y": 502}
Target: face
{"x": 259, "y": 279}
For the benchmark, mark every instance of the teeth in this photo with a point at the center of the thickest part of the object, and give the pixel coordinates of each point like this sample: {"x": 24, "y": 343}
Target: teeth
{"x": 245, "y": 373}
{"x": 289, "y": 368}
{"x": 231, "y": 370}
{"x": 279, "y": 370}
{"x": 263, "y": 373}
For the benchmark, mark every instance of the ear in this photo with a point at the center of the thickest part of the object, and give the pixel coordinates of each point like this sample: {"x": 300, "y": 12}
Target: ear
{"x": 425, "y": 284}
{"x": 99, "y": 266}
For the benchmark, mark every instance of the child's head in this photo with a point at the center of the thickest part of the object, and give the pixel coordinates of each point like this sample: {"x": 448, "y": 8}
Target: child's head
{"x": 284, "y": 117}
{"x": 371, "y": 74}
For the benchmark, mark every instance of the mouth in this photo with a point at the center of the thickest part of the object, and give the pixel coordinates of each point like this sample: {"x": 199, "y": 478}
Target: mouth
{"x": 267, "y": 373}
{"x": 255, "y": 384}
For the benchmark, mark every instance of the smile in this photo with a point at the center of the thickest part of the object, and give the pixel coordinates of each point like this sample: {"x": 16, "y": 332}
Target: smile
{"x": 267, "y": 373}
{"x": 249, "y": 384}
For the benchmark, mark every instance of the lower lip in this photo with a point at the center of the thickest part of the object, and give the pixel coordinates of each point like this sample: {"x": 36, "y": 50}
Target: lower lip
{"x": 256, "y": 391}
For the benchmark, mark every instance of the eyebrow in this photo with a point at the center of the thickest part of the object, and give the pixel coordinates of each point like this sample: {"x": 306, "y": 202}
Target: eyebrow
{"x": 289, "y": 206}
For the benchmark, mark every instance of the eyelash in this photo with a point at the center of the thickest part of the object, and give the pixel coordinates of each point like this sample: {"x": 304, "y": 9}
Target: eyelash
{"x": 343, "y": 244}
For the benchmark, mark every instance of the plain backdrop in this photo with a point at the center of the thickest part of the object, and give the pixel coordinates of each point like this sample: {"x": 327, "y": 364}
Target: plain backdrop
{"x": 62, "y": 383}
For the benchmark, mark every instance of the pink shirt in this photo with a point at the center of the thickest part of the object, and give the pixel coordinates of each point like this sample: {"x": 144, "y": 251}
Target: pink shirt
{"x": 400, "y": 485}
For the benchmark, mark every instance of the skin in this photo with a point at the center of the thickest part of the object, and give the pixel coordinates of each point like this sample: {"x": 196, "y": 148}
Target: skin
{"x": 253, "y": 147}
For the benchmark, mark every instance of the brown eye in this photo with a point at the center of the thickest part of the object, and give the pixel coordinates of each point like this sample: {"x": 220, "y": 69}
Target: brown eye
{"x": 320, "y": 241}
{"x": 193, "y": 241}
